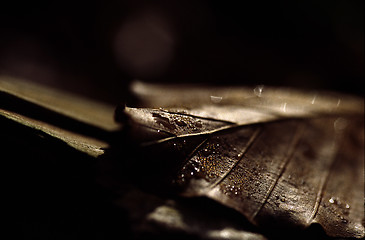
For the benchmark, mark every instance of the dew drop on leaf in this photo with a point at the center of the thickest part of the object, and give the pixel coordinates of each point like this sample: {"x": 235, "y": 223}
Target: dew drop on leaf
{"x": 258, "y": 90}
{"x": 216, "y": 99}
{"x": 340, "y": 124}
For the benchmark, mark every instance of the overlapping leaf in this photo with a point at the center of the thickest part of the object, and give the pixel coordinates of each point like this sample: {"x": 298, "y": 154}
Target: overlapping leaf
{"x": 83, "y": 124}
{"x": 278, "y": 156}
{"x": 282, "y": 158}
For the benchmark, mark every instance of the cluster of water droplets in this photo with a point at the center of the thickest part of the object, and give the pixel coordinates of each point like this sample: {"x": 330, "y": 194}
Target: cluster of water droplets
{"x": 342, "y": 206}
{"x": 177, "y": 123}
{"x": 207, "y": 163}
{"x": 206, "y": 160}
{"x": 234, "y": 186}
{"x": 233, "y": 189}
{"x": 281, "y": 198}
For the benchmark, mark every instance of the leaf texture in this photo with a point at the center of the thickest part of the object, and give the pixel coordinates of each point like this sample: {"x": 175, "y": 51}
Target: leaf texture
{"x": 282, "y": 158}
{"x": 91, "y": 146}
{"x": 278, "y": 156}
{"x": 85, "y": 110}
{"x": 81, "y": 123}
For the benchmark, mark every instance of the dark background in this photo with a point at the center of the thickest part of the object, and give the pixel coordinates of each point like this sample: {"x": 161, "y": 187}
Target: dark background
{"x": 97, "y": 47}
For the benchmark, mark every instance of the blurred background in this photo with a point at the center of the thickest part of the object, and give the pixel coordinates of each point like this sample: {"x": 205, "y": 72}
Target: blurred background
{"x": 97, "y": 47}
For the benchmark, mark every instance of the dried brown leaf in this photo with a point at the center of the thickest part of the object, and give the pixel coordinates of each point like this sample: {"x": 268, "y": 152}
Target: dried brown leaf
{"x": 278, "y": 156}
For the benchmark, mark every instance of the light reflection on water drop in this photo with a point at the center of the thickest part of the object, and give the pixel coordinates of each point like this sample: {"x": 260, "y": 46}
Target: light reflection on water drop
{"x": 283, "y": 107}
{"x": 344, "y": 220}
{"x": 314, "y": 99}
{"x": 216, "y": 99}
{"x": 258, "y": 90}
{"x": 340, "y": 124}
{"x": 338, "y": 102}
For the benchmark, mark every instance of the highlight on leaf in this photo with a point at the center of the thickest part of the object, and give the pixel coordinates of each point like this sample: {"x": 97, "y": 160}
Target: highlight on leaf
{"x": 281, "y": 157}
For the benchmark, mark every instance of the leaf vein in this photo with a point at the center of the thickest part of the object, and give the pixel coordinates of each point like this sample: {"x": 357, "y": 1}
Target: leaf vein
{"x": 296, "y": 139}
{"x": 248, "y": 145}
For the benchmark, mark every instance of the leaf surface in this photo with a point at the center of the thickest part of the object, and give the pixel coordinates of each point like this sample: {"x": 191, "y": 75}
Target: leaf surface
{"x": 81, "y": 123}
{"x": 278, "y": 156}
{"x": 85, "y": 110}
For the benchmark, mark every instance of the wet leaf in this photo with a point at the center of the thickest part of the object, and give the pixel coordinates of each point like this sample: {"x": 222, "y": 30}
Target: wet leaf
{"x": 45, "y": 132}
{"x": 281, "y": 157}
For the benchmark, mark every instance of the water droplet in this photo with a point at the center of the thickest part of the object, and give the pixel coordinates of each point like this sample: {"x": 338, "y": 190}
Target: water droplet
{"x": 239, "y": 155}
{"x": 158, "y": 131}
{"x": 332, "y": 200}
{"x": 340, "y": 124}
{"x": 314, "y": 99}
{"x": 258, "y": 90}
{"x": 181, "y": 123}
{"x": 338, "y": 103}
{"x": 217, "y": 144}
{"x": 283, "y": 107}
{"x": 216, "y": 99}
{"x": 191, "y": 173}
{"x": 347, "y": 206}
{"x": 175, "y": 144}
{"x": 198, "y": 124}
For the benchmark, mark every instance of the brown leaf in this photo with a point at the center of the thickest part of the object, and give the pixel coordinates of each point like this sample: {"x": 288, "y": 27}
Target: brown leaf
{"x": 278, "y": 156}
{"x": 82, "y": 123}
{"x": 59, "y": 128}
{"x": 81, "y": 109}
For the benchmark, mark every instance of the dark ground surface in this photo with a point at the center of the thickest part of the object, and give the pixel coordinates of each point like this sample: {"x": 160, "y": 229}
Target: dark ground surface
{"x": 96, "y": 48}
